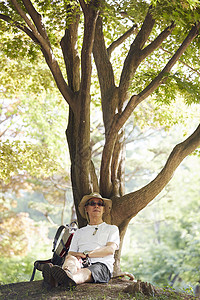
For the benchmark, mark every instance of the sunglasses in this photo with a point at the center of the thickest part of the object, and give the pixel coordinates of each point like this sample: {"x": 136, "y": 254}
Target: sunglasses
{"x": 93, "y": 203}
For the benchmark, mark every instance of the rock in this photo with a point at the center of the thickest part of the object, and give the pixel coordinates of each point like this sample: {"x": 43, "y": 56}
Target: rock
{"x": 141, "y": 287}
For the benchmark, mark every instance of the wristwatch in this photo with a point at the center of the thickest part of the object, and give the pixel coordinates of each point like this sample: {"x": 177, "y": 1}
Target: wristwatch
{"x": 86, "y": 253}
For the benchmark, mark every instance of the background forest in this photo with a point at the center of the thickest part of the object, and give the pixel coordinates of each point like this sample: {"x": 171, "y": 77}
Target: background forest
{"x": 162, "y": 243}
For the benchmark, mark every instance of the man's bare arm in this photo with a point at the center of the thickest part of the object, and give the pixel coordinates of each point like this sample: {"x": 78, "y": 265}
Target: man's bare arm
{"x": 109, "y": 249}
{"x": 77, "y": 254}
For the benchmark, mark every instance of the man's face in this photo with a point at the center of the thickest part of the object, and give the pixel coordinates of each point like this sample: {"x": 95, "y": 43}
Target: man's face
{"x": 95, "y": 207}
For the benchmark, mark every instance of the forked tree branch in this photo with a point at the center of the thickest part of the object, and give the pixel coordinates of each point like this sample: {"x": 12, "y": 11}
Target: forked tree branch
{"x": 22, "y": 13}
{"x": 106, "y": 161}
{"x": 164, "y": 73}
{"x": 136, "y": 99}
{"x": 105, "y": 72}
{"x": 134, "y": 57}
{"x": 135, "y": 60}
{"x": 120, "y": 119}
{"x": 91, "y": 13}
{"x": 158, "y": 41}
{"x": 120, "y": 40}
{"x": 37, "y": 19}
{"x": 136, "y": 201}
{"x": 37, "y": 35}
{"x": 83, "y": 5}
{"x": 182, "y": 62}
{"x": 103, "y": 64}
{"x": 19, "y": 26}
{"x": 47, "y": 52}
{"x": 70, "y": 53}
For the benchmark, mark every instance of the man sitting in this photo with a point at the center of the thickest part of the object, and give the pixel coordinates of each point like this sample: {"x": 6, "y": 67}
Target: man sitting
{"x": 91, "y": 253}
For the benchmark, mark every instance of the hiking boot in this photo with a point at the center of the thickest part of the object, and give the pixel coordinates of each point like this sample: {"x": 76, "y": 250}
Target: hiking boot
{"x": 49, "y": 280}
{"x": 62, "y": 278}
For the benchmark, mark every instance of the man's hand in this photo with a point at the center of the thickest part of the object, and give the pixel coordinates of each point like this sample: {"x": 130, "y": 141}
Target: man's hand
{"x": 78, "y": 255}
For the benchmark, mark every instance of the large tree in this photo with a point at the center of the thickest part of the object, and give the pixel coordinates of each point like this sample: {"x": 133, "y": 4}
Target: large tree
{"x": 154, "y": 37}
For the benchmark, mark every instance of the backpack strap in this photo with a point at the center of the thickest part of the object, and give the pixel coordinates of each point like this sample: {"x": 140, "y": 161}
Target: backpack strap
{"x": 38, "y": 265}
{"x": 33, "y": 274}
{"x": 58, "y": 233}
{"x": 66, "y": 245}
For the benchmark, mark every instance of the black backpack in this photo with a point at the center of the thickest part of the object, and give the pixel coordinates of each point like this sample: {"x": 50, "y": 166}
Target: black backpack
{"x": 61, "y": 244}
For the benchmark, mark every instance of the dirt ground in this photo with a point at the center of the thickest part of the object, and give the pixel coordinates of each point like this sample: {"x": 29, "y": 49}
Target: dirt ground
{"x": 111, "y": 291}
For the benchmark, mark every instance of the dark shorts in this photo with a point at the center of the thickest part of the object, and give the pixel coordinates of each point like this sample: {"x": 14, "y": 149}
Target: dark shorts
{"x": 100, "y": 272}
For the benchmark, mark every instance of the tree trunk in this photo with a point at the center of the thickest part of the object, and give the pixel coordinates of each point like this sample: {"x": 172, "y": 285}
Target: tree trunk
{"x": 122, "y": 232}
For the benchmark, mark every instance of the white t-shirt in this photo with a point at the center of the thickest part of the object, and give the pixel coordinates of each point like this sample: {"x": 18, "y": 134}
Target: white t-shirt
{"x": 84, "y": 239}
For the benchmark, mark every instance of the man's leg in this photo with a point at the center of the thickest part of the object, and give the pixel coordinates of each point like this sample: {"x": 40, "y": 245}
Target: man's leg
{"x": 73, "y": 269}
{"x": 82, "y": 275}
{"x": 62, "y": 278}
{"x": 71, "y": 264}
{"x": 49, "y": 281}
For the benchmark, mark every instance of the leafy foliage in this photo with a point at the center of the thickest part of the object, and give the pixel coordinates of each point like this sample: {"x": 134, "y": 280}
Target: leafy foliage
{"x": 16, "y": 234}
{"x": 17, "y": 157}
{"x": 165, "y": 237}
{"x": 22, "y": 78}
{"x": 19, "y": 268}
